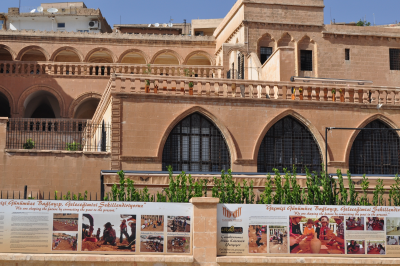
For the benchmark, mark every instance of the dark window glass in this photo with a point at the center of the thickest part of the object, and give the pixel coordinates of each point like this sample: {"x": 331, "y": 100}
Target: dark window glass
{"x": 375, "y": 151}
{"x": 265, "y": 53}
{"x": 196, "y": 144}
{"x": 306, "y": 60}
{"x": 347, "y": 54}
{"x": 394, "y": 59}
{"x": 60, "y": 25}
{"x": 289, "y": 143}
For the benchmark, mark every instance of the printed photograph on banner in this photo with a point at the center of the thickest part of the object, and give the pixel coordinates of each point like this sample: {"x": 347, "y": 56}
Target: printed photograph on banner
{"x": 151, "y": 243}
{"x": 355, "y": 247}
{"x": 355, "y": 223}
{"x": 152, "y": 223}
{"x": 376, "y": 247}
{"x": 375, "y": 223}
{"x": 178, "y": 244}
{"x": 258, "y": 242}
{"x": 278, "y": 239}
{"x": 392, "y": 226}
{"x": 109, "y": 232}
{"x": 65, "y": 222}
{"x": 392, "y": 240}
{"x": 178, "y": 224}
{"x": 316, "y": 235}
{"x": 64, "y": 241}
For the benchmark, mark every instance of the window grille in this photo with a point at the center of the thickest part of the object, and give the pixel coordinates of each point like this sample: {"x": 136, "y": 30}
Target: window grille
{"x": 196, "y": 144}
{"x": 394, "y": 55}
{"x": 306, "y": 62}
{"x": 289, "y": 143}
{"x": 347, "y": 54}
{"x": 375, "y": 151}
{"x": 265, "y": 53}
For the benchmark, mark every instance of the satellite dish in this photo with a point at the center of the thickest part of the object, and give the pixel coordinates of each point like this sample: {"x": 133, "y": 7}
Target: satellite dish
{"x": 40, "y": 9}
{"x": 156, "y": 25}
{"x": 52, "y": 10}
{"x": 164, "y": 25}
{"x": 170, "y": 25}
{"x": 33, "y": 11}
{"x": 149, "y": 25}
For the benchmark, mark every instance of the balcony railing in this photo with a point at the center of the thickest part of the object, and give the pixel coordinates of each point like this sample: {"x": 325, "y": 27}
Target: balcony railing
{"x": 104, "y": 69}
{"x": 57, "y": 134}
{"x": 274, "y": 90}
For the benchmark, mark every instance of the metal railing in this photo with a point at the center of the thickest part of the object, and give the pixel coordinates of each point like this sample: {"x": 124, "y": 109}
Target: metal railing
{"x": 57, "y": 134}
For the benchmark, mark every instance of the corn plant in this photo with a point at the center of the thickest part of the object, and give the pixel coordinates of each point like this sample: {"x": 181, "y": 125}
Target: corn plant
{"x": 342, "y": 190}
{"x": 278, "y": 187}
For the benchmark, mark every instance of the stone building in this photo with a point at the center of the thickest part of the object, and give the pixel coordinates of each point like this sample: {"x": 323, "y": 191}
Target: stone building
{"x": 199, "y": 102}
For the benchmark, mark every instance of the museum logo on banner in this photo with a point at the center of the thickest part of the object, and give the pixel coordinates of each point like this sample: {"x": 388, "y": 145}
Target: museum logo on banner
{"x": 231, "y": 215}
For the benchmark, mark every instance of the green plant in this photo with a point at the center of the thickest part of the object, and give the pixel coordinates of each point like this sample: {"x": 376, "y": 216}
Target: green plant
{"x": 333, "y": 91}
{"x": 394, "y": 195}
{"x": 377, "y": 199}
{"x": 29, "y": 144}
{"x": 191, "y": 84}
{"x": 121, "y": 191}
{"x": 353, "y": 195}
{"x": 363, "y": 23}
{"x": 266, "y": 196}
{"x": 55, "y": 195}
{"x": 364, "y": 186}
{"x": 74, "y": 146}
{"x": 342, "y": 190}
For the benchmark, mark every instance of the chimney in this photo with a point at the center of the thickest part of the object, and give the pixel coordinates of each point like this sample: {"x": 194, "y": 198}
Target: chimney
{"x": 13, "y": 11}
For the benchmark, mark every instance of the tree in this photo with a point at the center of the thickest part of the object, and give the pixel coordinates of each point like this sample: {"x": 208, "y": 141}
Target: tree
{"x": 363, "y": 23}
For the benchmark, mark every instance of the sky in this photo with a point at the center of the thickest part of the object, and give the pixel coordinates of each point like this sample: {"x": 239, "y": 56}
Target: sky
{"x": 161, "y": 11}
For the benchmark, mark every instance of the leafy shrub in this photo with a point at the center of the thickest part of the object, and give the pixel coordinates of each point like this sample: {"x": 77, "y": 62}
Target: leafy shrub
{"x": 29, "y": 144}
{"x": 74, "y": 146}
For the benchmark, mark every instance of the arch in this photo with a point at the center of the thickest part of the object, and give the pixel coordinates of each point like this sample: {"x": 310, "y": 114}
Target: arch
{"x": 265, "y": 47}
{"x": 65, "y": 50}
{"x": 196, "y": 144}
{"x": 302, "y": 120}
{"x": 104, "y": 56}
{"x": 167, "y": 52}
{"x": 385, "y": 123}
{"x": 34, "y": 50}
{"x": 87, "y": 96}
{"x": 197, "y": 109}
{"x": 199, "y": 56}
{"x": 9, "y": 98}
{"x": 286, "y": 40}
{"x": 37, "y": 88}
{"x": 134, "y": 51}
{"x": 6, "y": 53}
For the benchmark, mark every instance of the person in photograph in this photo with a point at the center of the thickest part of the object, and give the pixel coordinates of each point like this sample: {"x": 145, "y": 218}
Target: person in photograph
{"x": 353, "y": 247}
{"x": 381, "y": 249}
{"x": 295, "y": 231}
{"x": 259, "y": 236}
{"x": 317, "y": 228}
{"x": 109, "y": 235}
{"x": 324, "y": 227}
{"x": 123, "y": 231}
{"x": 309, "y": 231}
{"x": 98, "y": 234}
{"x": 339, "y": 237}
{"x": 132, "y": 224}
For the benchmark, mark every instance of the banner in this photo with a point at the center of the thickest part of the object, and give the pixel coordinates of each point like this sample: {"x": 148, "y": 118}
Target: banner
{"x": 274, "y": 230}
{"x": 45, "y": 226}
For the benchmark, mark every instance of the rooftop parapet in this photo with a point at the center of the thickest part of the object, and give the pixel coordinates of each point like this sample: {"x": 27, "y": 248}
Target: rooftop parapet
{"x": 113, "y": 35}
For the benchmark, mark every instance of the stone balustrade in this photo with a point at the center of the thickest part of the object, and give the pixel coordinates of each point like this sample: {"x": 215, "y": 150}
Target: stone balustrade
{"x": 229, "y": 88}
{"x": 104, "y": 69}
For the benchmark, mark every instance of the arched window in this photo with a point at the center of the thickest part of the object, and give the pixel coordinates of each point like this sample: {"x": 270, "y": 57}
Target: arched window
{"x": 289, "y": 143}
{"x": 375, "y": 151}
{"x": 196, "y": 144}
